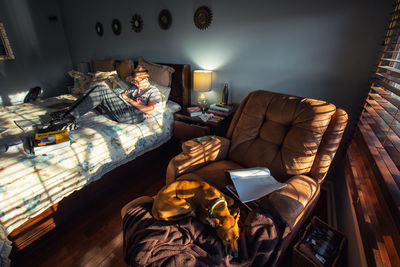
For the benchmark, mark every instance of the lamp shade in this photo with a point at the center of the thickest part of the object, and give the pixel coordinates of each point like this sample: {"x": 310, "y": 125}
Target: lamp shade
{"x": 202, "y": 80}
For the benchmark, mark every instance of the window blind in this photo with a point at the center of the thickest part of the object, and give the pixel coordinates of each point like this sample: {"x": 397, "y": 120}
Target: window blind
{"x": 373, "y": 157}
{"x": 380, "y": 119}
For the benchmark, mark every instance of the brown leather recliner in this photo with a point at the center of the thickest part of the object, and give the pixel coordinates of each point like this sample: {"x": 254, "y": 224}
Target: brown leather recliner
{"x": 296, "y": 138}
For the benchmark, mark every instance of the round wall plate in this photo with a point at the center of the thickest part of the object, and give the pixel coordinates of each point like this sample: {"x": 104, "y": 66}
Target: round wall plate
{"x": 99, "y": 29}
{"x": 165, "y": 19}
{"x": 137, "y": 23}
{"x": 116, "y": 26}
{"x": 202, "y": 17}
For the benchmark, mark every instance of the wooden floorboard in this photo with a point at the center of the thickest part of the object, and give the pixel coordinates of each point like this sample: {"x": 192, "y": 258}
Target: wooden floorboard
{"x": 90, "y": 233}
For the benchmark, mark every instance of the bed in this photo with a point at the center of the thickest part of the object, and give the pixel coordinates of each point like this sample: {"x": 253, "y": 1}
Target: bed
{"x": 32, "y": 186}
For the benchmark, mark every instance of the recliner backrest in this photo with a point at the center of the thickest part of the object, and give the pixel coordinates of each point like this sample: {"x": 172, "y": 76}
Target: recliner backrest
{"x": 284, "y": 134}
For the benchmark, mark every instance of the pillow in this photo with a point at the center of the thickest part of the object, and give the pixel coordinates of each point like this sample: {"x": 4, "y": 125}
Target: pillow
{"x": 102, "y": 75}
{"x": 158, "y": 73}
{"x": 81, "y": 81}
{"x": 103, "y": 65}
{"x": 125, "y": 68}
{"x": 163, "y": 89}
{"x": 108, "y": 77}
{"x": 173, "y": 106}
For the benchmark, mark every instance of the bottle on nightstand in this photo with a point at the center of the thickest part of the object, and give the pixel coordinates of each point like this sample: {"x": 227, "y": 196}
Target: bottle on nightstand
{"x": 225, "y": 94}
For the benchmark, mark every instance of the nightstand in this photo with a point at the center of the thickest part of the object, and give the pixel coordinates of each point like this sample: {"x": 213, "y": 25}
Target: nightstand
{"x": 186, "y": 127}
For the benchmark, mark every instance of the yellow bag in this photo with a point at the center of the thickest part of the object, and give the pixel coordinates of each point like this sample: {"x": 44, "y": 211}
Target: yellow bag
{"x": 51, "y": 138}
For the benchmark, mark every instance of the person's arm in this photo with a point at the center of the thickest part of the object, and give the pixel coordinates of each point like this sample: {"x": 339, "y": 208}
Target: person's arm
{"x": 148, "y": 109}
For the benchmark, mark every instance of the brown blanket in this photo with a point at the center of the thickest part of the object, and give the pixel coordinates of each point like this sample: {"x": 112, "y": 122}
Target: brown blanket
{"x": 189, "y": 242}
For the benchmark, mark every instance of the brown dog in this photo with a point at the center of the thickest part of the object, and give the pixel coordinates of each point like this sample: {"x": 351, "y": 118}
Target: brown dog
{"x": 184, "y": 198}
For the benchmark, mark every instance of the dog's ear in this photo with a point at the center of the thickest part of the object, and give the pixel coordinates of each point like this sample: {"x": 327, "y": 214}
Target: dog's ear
{"x": 236, "y": 214}
{"x": 212, "y": 221}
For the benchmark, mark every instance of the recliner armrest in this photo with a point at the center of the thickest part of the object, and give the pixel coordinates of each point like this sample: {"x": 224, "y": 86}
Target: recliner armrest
{"x": 197, "y": 153}
{"x": 292, "y": 201}
{"x": 133, "y": 203}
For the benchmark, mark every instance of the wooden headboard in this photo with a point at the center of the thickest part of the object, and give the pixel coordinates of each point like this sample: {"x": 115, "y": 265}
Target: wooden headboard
{"x": 181, "y": 81}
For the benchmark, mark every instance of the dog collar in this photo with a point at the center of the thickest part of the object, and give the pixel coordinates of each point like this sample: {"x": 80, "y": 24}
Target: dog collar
{"x": 214, "y": 204}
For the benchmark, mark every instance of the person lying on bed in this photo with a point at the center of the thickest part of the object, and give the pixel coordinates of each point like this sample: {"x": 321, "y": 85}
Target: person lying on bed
{"x": 132, "y": 106}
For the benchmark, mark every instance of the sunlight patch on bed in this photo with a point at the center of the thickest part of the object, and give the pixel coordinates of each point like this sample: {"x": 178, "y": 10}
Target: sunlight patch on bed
{"x": 37, "y": 182}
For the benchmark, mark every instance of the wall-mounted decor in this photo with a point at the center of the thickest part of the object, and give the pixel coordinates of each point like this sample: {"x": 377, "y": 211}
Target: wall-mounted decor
{"x": 137, "y": 23}
{"x": 5, "y": 47}
{"x": 99, "y": 29}
{"x": 202, "y": 17}
{"x": 165, "y": 19}
{"x": 116, "y": 26}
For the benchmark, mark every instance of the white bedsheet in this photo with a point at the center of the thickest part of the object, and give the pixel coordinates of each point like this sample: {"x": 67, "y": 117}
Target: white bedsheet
{"x": 30, "y": 184}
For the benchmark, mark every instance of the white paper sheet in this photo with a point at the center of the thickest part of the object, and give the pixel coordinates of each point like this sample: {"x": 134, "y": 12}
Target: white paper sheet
{"x": 254, "y": 183}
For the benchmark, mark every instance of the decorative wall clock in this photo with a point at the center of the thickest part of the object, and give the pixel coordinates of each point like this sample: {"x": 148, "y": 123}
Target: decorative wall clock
{"x": 116, "y": 26}
{"x": 137, "y": 23}
{"x": 165, "y": 19}
{"x": 99, "y": 29}
{"x": 202, "y": 17}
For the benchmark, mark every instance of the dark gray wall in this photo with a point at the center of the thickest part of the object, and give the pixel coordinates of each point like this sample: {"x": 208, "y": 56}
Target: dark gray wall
{"x": 319, "y": 49}
{"x": 41, "y": 51}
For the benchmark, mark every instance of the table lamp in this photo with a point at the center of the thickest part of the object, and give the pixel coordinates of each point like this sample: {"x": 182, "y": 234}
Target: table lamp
{"x": 202, "y": 83}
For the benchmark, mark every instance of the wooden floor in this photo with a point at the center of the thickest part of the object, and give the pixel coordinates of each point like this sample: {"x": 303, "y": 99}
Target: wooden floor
{"x": 90, "y": 233}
